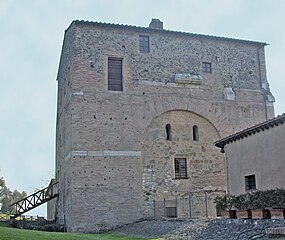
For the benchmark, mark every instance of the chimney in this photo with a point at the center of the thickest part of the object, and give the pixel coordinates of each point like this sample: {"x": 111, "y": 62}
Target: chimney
{"x": 156, "y": 24}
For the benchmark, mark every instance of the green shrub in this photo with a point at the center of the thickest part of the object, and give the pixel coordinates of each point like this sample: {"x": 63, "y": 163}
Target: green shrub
{"x": 241, "y": 201}
{"x": 273, "y": 198}
{"x": 223, "y": 202}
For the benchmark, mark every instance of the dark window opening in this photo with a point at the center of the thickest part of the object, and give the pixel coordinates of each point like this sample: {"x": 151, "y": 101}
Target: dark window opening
{"x": 180, "y": 168}
{"x": 171, "y": 212}
{"x": 206, "y": 67}
{"x": 195, "y": 133}
{"x": 250, "y": 182}
{"x": 144, "y": 43}
{"x": 115, "y": 77}
{"x": 168, "y": 132}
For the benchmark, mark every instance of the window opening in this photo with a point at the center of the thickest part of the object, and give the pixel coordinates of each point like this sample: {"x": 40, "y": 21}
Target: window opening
{"x": 171, "y": 212}
{"x": 195, "y": 133}
{"x": 168, "y": 132}
{"x": 250, "y": 182}
{"x": 144, "y": 43}
{"x": 180, "y": 168}
{"x": 115, "y": 77}
{"x": 206, "y": 67}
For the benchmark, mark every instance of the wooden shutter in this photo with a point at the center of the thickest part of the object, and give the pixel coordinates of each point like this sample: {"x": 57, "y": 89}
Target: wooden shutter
{"x": 115, "y": 78}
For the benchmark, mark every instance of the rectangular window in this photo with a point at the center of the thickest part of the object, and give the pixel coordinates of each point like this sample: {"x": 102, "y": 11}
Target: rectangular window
{"x": 180, "y": 168}
{"x": 206, "y": 67}
{"x": 115, "y": 76}
{"x": 144, "y": 43}
{"x": 171, "y": 212}
{"x": 250, "y": 182}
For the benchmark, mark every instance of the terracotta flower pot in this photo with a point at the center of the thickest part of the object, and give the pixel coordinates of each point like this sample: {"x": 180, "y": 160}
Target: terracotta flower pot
{"x": 228, "y": 214}
{"x": 277, "y": 213}
{"x": 260, "y": 214}
{"x": 244, "y": 214}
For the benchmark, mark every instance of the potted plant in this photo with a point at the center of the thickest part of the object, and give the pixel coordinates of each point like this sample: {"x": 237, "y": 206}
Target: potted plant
{"x": 259, "y": 201}
{"x": 224, "y": 206}
{"x": 277, "y": 203}
{"x": 242, "y": 203}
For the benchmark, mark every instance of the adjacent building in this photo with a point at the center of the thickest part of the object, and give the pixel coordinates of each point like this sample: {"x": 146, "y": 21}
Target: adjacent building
{"x": 139, "y": 110}
{"x": 255, "y": 157}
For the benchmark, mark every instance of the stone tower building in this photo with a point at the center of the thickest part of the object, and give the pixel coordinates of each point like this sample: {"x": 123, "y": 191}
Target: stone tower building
{"x": 138, "y": 112}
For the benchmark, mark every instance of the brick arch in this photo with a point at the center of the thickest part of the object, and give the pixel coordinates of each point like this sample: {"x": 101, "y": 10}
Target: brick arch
{"x": 202, "y": 108}
{"x": 185, "y": 110}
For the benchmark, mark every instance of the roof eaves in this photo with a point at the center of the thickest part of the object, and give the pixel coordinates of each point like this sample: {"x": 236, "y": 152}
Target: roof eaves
{"x": 251, "y": 130}
{"x": 146, "y": 29}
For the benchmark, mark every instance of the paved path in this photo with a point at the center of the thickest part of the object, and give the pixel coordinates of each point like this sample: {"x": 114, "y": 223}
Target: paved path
{"x": 191, "y": 229}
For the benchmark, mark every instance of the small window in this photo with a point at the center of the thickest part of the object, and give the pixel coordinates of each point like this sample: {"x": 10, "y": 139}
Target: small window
{"x": 206, "y": 67}
{"x": 115, "y": 77}
{"x": 168, "y": 132}
{"x": 250, "y": 183}
{"x": 171, "y": 212}
{"x": 180, "y": 168}
{"x": 195, "y": 133}
{"x": 144, "y": 43}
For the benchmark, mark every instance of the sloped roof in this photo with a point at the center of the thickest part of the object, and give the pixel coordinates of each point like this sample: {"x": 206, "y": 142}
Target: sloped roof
{"x": 251, "y": 130}
{"x": 146, "y": 29}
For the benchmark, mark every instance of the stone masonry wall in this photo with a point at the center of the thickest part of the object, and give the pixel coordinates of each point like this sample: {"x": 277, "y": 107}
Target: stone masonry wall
{"x": 106, "y": 192}
{"x": 63, "y": 130}
{"x": 106, "y": 139}
{"x": 205, "y": 163}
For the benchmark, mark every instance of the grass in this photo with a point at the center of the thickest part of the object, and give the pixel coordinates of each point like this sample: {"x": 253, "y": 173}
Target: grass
{"x": 9, "y": 233}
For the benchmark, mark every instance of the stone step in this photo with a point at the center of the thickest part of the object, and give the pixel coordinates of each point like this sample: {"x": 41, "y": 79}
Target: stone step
{"x": 277, "y": 232}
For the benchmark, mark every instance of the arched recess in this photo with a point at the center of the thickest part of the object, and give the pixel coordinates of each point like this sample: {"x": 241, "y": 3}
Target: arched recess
{"x": 202, "y": 160}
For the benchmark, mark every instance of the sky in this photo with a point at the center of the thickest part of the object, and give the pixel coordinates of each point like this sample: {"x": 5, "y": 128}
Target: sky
{"x": 31, "y": 36}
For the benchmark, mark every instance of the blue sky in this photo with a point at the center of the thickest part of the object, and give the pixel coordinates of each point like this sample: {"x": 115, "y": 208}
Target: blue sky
{"x": 30, "y": 45}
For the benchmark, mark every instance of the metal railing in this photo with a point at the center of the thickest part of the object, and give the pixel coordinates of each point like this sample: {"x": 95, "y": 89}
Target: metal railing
{"x": 192, "y": 205}
{"x": 34, "y": 200}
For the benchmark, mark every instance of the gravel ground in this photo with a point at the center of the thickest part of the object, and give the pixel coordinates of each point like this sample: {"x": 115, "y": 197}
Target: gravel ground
{"x": 193, "y": 229}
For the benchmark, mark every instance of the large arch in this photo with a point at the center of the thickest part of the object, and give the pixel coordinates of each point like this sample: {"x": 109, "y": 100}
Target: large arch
{"x": 216, "y": 113}
{"x": 174, "y": 167}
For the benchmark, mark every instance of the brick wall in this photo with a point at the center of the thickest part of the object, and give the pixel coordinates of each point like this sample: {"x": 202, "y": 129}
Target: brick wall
{"x": 106, "y": 141}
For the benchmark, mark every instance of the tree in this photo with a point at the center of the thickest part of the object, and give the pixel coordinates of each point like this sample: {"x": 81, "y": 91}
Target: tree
{"x": 7, "y": 197}
{"x": 2, "y": 183}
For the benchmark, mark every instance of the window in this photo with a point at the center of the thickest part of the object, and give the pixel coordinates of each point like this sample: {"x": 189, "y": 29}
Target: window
{"x": 170, "y": 212}
{"x": 206, "y": 67}
{"x": 250, "y": 182}
{"x": 115, "y": 77}
{"x": 168, "y": 132}
{"x": 195, "y": 133}
{"x": 144, "y": 43}
{"x": 180, "y": 168}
